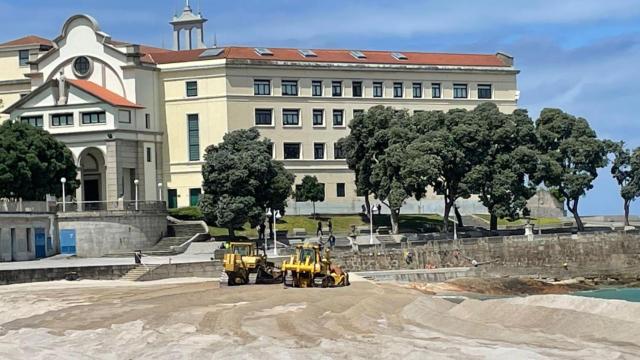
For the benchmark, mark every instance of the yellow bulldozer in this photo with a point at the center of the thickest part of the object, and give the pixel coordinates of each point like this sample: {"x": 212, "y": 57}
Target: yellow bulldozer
{"x": 243, "y": 264}
{"x": 309, "y": 266}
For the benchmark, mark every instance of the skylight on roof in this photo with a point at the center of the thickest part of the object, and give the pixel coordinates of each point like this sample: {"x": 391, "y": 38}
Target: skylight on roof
{"x": 399, "y": 56}
{"x": 307, "y": 53}
{"x": 358, "y": 54}
{"x": 212, "y": 52}
{"x": 264, "y": 52}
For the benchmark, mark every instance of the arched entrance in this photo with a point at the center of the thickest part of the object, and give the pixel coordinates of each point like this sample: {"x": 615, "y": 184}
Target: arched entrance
{"x": 91, "y": 166}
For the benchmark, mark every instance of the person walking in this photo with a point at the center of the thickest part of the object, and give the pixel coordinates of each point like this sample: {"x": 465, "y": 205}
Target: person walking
{"x": 379, "y": 209}
{"x": 330, "y": 226}
{"x": 319, "y": 229}
{"x": 332, "y": 241}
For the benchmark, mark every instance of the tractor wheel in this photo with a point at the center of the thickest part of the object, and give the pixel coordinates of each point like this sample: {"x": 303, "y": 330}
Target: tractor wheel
{"x": 231, "y": 278}
{"x": 327, "y": 281}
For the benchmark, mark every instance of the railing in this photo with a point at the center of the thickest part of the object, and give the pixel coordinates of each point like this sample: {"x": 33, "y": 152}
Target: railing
{"x": 12, "y": 206}
{"x": 120, "y": 205}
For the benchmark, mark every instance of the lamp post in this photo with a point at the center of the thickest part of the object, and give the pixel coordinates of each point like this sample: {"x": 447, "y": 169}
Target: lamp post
{"x": 136, "y": 182}
{"x": 370, "y": 224}
{"x": 276, "y": 215}
{"x": 159, "y": 191}
{"x": 455, "y": 222}
{"x": 64, "y": 204}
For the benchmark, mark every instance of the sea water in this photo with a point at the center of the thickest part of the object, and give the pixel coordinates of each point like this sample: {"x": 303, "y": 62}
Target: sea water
{"x": 628, "y": 294}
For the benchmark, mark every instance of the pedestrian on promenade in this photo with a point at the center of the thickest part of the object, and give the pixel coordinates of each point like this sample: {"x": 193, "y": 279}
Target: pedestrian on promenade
{"x": 379, "y": 209}
{"x": 319, "y": 229}
{"x": 330, "y": 226}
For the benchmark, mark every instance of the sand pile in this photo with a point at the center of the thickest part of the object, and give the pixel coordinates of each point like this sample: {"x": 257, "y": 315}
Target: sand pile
{"x": 364, "y": 321}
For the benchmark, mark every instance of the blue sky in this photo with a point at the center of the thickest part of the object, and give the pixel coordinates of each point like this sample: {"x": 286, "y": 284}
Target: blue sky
{"x": 578, "y": 55}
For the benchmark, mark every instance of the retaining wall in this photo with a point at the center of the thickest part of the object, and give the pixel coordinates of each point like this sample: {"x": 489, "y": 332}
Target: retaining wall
{"x": 207, "y": 269}
{"x": 110, "y": 272}
{"x": 586, "y": 254}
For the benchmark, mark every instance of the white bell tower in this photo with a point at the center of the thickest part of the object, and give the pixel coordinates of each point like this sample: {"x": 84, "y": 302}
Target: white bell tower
{"x": 189, "y": 23}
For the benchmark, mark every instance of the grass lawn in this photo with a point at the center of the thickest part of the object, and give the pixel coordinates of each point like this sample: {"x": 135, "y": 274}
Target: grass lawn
{"x": 341, "y": 223}
{"x": 535, "y": 221}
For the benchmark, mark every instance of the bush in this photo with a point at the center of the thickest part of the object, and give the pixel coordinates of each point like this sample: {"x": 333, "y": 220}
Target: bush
{"x": 186, "y": 213}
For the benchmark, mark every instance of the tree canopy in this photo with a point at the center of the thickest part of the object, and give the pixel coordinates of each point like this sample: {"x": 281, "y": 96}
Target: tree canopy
{"x": 625, "y": 169}
{"x": 241, "y": 180}
{"x": 310, "y": 190}
{"x": 571, "y": 155}
{"x": 508, "y": 158}
{"x": 32, "y": 162}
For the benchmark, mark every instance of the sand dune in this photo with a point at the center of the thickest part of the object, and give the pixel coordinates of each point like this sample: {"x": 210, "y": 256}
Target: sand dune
{"x": 103, "y": 320}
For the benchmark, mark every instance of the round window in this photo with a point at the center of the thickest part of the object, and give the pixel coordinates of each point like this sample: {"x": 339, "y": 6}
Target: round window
{"x": 82, "y": 66}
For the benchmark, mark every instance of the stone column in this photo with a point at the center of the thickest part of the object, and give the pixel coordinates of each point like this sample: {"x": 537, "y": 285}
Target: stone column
{"x": 187, "y": 39}
{"x": 113, "y": 175}
{"x": 176, "y": 39}
{"x": 200, "y": 38}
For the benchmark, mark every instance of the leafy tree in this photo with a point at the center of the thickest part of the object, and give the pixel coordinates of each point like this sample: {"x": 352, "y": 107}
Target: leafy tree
{"x": 625, "y": 169}
{"x": 311, "y": 190}
{"x": 241, "y": 180}
{"x": 32, "y": 162}
{"x": 508, "y": 158}
{"x": 571, "y": 155}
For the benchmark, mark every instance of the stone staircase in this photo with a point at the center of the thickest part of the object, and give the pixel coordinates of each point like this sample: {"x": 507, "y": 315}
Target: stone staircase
{"x": 163, "y": 246}
{"x": 184, "y": 230}
{"x": 136, "y": 273}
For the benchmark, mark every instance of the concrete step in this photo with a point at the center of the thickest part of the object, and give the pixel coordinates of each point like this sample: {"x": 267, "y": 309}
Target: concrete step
{"x": 166, "y": 243}
{"x": 137, "y": 272}
{"x": 184, "y": 230}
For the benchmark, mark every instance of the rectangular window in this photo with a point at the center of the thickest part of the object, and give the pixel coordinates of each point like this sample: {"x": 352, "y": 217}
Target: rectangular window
{"x": 261, "y": 87}
{"x": 194, "y": 196}
{"x": 357, "y": 112}
{"x": 23, "y": 57}
{"x": 340, "y": 190}
{"x": 290, "y": 87}
{"x": 148, "y": 154}
{"x": 338, "y": 153}
{"x": 273, "y": 156}
{"x": 357, "y": 88}
{"x": 459, "y": 91}
{"x": 435, "y": 91}
{"x": 336, "y": 88}
{"x": 194, "y": 137}
{"x": 338, "y": 117}
{"x": 147, "y": 121}
{"x": 99, "y": 117}
{"x": 377, "y": 89}
{"x": 417, "y": 90}
{"x": 192, "y": 88}
{"x": 318, "y": 151}
{"x": 172, "y": 198}
{"x": 290, "y": 117}
{"x": 124, "y": 116}
{"x": 61, "y": 119}
{"x": 264, "y": 117}
{"x": 484, "y": 91}
{"x": 28, "y": 234}
{"x": 33, "y": 120}
{"x": 316, "y": 88}
{"x": 298, "y": 190}
{"x": 318, "y": 117}
{"x": 291, "y": 150}
{"x": 397, "y": 90}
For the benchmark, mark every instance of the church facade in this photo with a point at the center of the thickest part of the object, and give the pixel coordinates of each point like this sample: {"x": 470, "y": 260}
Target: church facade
{"x": 135, "y": 114}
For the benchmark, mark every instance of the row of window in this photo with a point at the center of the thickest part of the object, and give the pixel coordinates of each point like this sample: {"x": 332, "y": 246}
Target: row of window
{"x": 95, "y": 117}
{"x": 293, "y": 151}
{"x": 291, "y": 117}
{"x": 290, "y": 88}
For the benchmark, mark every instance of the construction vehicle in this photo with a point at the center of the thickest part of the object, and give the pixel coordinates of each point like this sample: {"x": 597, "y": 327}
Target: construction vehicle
{"x": 309, "y": 266}
{"x": 243, "y": 264}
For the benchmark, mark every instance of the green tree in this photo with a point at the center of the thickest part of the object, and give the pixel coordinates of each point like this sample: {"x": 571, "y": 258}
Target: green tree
{"x": 310, "y": 190}
{"x": 32, "y": 162}
{"x": 241, "y": 180}
{"x": 625, "y": 169}
{"x": 571, "y": 155}
{"x": 508, "y": 159}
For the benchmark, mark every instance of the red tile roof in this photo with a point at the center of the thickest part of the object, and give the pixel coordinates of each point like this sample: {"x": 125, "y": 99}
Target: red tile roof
{"x": 28, "y": 40}
{"x": 334, "y": 56}
{"x": 103, "y": 94}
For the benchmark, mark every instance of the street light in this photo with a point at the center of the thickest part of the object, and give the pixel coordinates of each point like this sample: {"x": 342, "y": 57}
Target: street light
{"x": 455, "y": 222}
{"x": 159, "y": 191}
{"x": 136, "y": 182}
{"x": 370, "y": 224}
{"x": 276, "y": 215}
{"x": 64, "y": 204}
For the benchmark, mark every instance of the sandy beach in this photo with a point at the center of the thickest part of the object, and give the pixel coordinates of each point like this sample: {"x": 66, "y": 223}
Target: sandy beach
{"x": 197, "y": 319}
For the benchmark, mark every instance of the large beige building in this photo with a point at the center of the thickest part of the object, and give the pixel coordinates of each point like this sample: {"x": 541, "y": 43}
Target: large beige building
{"x": 132, "y": 112}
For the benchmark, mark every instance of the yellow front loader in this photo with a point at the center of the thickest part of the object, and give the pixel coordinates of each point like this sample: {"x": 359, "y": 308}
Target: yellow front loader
{"x": 309, "y": 266}
{"x": 244, "y": 265}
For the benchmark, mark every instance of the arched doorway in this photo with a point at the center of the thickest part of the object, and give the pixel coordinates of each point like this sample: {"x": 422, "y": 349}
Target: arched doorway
{"x": 91, "y": 166}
